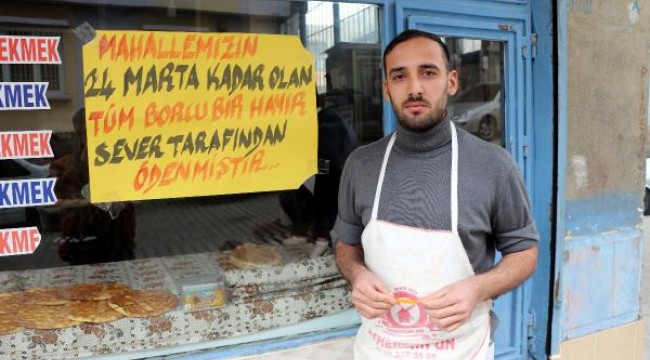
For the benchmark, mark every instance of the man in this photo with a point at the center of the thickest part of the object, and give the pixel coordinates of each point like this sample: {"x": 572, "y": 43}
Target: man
{"x": 420, "y": 215}
{"x": 108, "y": 234}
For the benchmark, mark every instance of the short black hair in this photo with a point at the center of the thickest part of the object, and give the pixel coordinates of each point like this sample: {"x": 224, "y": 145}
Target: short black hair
{"x": 412, "y": 34}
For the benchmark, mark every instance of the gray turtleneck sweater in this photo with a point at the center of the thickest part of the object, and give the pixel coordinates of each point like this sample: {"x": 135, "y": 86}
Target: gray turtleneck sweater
{"x": 494, "y": 211}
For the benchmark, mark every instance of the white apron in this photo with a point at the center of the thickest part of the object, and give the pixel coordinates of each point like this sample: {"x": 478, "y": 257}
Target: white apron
{"x": 412, "y": 263}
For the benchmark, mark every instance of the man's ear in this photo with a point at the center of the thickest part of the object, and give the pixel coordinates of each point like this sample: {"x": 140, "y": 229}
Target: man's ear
{"x": 452, "y": 83}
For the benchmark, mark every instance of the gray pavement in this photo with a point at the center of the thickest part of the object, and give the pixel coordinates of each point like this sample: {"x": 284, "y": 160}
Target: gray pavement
{"x": 645, "y": 284}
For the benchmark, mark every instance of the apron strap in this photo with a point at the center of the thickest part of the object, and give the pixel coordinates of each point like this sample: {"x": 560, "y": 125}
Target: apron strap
{"x": 454, "y": 179}
{"x": 380, "y": 182}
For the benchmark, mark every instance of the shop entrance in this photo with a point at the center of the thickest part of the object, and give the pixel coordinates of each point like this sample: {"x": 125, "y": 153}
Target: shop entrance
{"x": 492, "y": 57}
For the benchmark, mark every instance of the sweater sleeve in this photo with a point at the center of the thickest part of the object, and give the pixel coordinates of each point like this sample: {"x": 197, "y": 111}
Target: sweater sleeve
{"x": 513, "y": 225}
{"x": 348, "y": 226}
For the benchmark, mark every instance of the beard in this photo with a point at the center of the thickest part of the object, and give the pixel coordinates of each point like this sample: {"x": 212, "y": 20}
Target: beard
{"x": 420, "y": 122}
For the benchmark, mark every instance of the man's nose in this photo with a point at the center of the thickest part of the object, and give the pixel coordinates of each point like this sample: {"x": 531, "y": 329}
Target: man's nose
{"x": 414, "y": 88}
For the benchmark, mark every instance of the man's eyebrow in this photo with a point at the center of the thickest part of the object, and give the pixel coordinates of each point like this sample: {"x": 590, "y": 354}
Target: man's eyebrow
{"x": 397, "y": 69}
{"x": 429, "y": 66}
{"x": 422, "y": 66}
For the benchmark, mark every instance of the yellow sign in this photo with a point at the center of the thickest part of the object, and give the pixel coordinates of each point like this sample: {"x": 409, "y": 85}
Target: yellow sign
{"x": 190, "y": 114}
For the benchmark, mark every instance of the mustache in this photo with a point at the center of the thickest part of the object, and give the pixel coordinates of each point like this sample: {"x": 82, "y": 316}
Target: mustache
{"x": 419, "y": 98}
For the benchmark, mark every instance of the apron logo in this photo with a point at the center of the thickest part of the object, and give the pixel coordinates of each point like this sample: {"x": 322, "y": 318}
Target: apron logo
{"x": 406, "y": 313}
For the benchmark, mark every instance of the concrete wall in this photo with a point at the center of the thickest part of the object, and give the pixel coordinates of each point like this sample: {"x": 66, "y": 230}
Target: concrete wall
{"x": 604, "y": 124}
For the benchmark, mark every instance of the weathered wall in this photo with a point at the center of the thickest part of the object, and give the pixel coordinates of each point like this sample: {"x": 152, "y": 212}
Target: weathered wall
{"x": 608, "y": 87}
{"x": 606, "y": 121}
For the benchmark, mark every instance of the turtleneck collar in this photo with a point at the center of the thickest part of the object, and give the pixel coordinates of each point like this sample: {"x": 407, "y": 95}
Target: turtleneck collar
{"x": 412, "y": 141}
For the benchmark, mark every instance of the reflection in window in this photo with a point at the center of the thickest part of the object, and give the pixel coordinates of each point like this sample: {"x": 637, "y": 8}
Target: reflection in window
{"x": 157, "y": 244}
{"x": 344, "y": 38}
{"x": 478, "y": 105}
{"x": 478, "y": 93}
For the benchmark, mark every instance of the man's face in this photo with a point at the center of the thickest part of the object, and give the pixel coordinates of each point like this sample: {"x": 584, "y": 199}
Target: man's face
{"x": 418, "y": 84}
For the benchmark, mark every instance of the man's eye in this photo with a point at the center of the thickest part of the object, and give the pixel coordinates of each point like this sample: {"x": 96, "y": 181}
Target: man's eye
{"x": 398, "y": 77}
{"x": 428, "y": 73}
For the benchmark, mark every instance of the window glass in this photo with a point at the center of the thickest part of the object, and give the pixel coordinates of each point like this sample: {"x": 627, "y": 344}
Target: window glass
{"x": 11, "y": 168}
{"x": 32, "y": 72}
{"x": 183, "y": 248}
{"x": 21, "y": 72}
{"x": 478, "y": 106}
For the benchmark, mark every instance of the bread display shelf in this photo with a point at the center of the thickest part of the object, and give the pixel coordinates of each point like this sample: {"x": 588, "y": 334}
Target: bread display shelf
{"x": 261, "y": 298}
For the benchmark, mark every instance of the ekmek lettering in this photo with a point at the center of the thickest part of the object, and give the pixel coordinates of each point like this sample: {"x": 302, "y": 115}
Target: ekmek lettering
{"x": 29, "y": 49}
{"x": 23, "y": 96}
{"x": 19, "y": 241}
{"x": 32, "y": 192}
{"x": 26, "y": 144}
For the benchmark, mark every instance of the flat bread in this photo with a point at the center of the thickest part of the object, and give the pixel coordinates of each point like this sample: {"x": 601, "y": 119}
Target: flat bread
{"x": 143, "y": 303}
{"x": 91, "y": 311}
{"x": 35, "y": 316}
{"x": 9, "y": 324}
{"x": 10, "y": 302}
{"x": 49, "y": 297}
{"x": 247, "y": 256}
{"x": 86, "y": 292}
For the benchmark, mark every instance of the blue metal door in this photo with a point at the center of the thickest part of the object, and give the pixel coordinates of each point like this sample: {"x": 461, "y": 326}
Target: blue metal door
{"x": 479, "y": 31}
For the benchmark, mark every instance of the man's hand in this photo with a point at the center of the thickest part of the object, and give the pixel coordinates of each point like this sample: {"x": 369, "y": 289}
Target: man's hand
{"x": 370, "y": 296}
{"x": 451, "y": 306}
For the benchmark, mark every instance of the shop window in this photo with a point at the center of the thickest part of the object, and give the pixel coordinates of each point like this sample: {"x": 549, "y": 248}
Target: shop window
{"x": 12, "y": 169}
{"x": 345, "y": 40}
{"x": 176, "y": 244}
{"x": 478, "y": 106}
{"x": 50, "y": 73}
